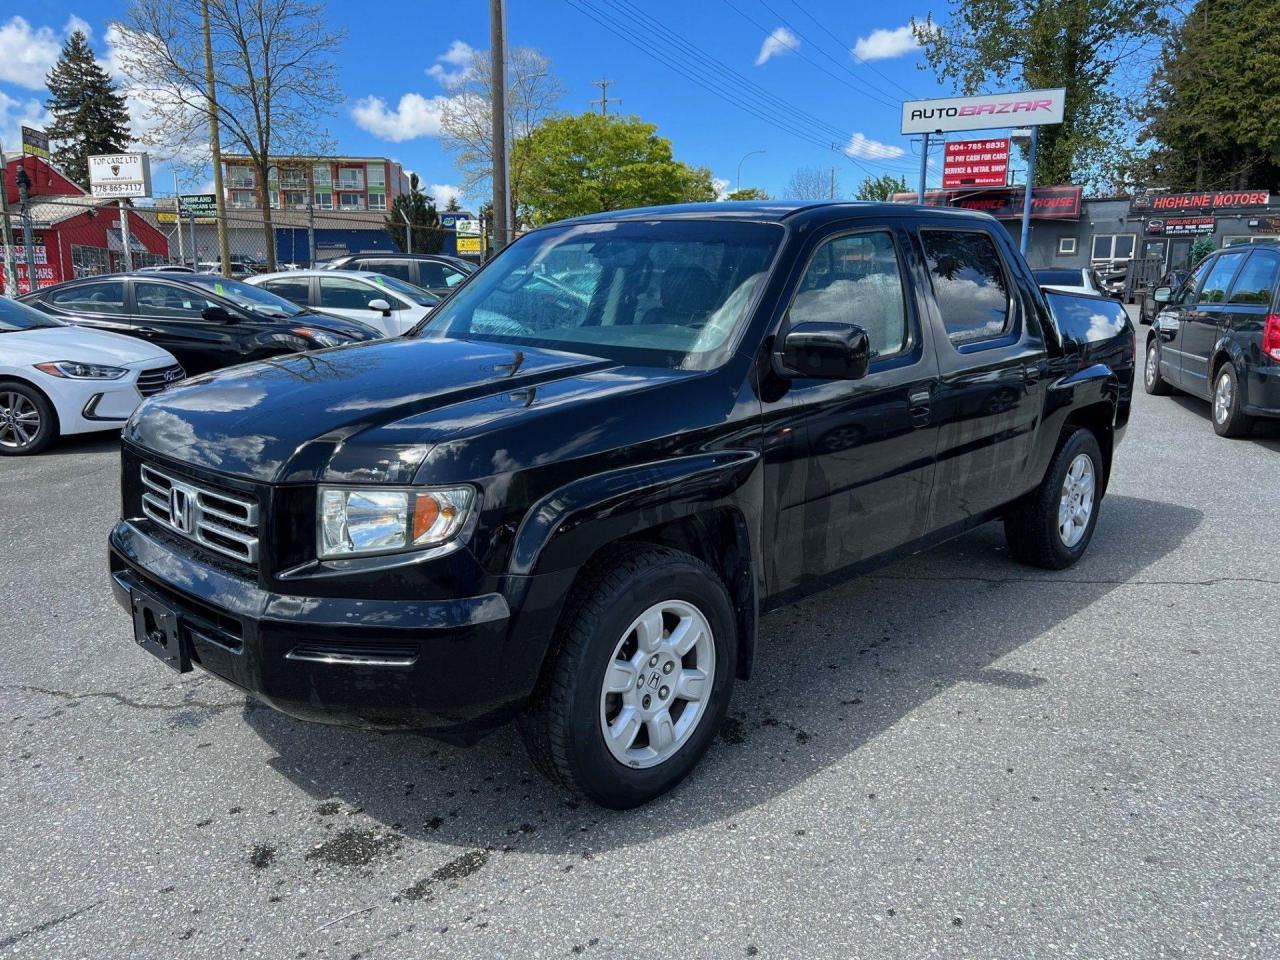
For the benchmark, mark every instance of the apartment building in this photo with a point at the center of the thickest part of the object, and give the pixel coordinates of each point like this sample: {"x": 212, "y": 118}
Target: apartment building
{"x": 328, "y": 183}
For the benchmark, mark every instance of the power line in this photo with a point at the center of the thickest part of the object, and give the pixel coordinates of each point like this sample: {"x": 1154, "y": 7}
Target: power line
{"x": 823, "y": 27}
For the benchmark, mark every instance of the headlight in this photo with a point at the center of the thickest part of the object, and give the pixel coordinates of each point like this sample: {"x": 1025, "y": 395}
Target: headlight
{"x": 73, "y": 370}
{"x": 322, "y": 337}
{"x": 352, "y": 521}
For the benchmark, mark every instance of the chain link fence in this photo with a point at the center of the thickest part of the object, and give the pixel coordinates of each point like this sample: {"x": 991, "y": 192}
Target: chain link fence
{"x": 80, "y": 236}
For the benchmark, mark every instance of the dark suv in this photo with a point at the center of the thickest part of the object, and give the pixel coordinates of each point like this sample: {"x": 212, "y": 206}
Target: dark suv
{"x": 568, "y": 496}
{"x": 434, "y": 272}
{"x": 1217, "y": 336}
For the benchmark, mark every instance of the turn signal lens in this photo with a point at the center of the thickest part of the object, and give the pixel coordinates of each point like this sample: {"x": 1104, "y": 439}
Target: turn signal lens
{"x": 1271, "y": 337}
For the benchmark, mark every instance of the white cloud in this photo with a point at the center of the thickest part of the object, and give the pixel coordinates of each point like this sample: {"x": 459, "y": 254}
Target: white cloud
{"x": 442, "y": 193}
{"x": 459, "y": 57}
{"x": 863, "y": 146}
{"x": 28, "y": 53}
{"x": 721, "y": 186}
{"x": 414, "y": 116}
{"x": 75, "y": 23}
{"x": 777, "y": 43}
{"x": 15, "y": 114}
{"x": 885, "y": 44}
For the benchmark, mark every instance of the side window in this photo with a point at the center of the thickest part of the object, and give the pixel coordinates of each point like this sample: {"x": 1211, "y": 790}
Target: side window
{"x": 1186, "y": 294}
{"x": 296, "y": 291}
{"x": 1215, "y": 284}
{"x": 856, "y": 279}
{"x": 1257, "y": 281}
{"x": 339, "y": 293}
{"x": 104, "y": 297}
{"x": 439, "y": 275}
{"x": 968, "y": 283}
{"x": 162, "y": 300}
{"x": 400, "y": 269}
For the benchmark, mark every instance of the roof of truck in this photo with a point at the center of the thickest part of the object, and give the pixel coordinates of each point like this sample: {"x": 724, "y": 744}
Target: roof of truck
{"x": 774, "y": 210}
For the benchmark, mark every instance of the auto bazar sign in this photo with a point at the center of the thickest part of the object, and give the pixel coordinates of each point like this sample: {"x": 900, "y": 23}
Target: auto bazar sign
{"x": 1047, "y": 203}
{"x": 120, "y": 175}
{"x": 987, "y": 112}
{"x": 1182, "y": 226}
{"x": 975, "y": 163}
{"x": 1211, "y": 200}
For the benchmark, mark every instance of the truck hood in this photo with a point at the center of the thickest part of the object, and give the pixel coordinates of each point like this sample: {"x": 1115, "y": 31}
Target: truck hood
{"x": 361, "y": 413}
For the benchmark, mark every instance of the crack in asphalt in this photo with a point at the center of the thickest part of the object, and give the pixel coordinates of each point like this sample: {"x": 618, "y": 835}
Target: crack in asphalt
{"x": 1211, "y": 582}
{"x": 14, "y": 938}
{"x": 125, "y": 701}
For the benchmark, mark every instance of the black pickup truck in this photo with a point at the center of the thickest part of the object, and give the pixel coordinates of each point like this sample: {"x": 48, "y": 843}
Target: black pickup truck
{"x": 567, "y": 497}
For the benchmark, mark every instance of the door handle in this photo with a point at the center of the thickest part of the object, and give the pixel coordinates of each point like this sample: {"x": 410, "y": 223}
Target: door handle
{"x": 918, "y": 403}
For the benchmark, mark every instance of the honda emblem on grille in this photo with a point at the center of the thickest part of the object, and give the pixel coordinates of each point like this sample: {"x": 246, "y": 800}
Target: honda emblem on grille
{"x": 182, "y": 509}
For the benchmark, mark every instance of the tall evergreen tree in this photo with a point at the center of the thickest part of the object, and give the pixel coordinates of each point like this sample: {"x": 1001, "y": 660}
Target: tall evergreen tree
{"x": 89, "y": 115}
{"x": 420, "y": 208}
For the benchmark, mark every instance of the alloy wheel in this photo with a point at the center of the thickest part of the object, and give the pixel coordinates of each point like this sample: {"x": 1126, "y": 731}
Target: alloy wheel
{"x": 1076, "y": 505}
{"x": 658, "y": 684}
{"x": 1223, "y": 397}
{"x": 1153, "y": 365}
{"x": 19, "y": 421}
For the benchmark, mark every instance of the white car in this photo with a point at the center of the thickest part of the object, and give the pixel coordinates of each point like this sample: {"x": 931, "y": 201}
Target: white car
{"x": 1072, "y": 280}
{"x": 57, "y": 379}
{"x": 386, "y": 303}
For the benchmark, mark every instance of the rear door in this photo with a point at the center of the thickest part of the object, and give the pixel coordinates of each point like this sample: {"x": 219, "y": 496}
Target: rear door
{"x": 1244, "y": 318}
{"x": 93, "y": 303}
{"x": 991, "y": 362}
{"x": 349, "y": 297}
{"x": 1202, "y": 323}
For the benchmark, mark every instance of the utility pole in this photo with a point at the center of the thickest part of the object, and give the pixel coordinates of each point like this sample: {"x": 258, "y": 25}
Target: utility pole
{"x": 211, "y": 100}
{"x": 177, "y": 210}
{"x": 924, "y": 167}
{"x": 833, "y": 183}
{"x": 126, "y": 242}
{"x": 604, "y": 100}
{"x": 311, "y": 226}
{"x": 23, "y": 180}
{"x": 10, "y": 281}
{"x": 498, "y": 78}
{"x": 408, "y": 231}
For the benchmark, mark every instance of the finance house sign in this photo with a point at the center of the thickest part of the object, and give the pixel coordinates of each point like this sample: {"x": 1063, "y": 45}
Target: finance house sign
{"x": 988, "y": 112}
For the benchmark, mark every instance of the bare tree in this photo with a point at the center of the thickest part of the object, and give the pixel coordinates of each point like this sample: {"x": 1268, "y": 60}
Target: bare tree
{"x": 275, "y": 76}
{"x": 809, "y": 183}
{"x": 465, "y": 122}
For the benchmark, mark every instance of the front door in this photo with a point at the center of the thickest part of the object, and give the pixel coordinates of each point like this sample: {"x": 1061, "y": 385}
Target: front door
{"x": 1157, "y": 248}
{"x": 866, "y": 445}
{"x": 172, "y": 317}
{"x": 1202, "y": 323}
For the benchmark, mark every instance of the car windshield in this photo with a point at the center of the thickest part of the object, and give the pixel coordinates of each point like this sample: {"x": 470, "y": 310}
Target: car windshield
{"x": 16, "y": 316}
{"x": 666, "y": 293}
{"x": 1059, "y": 278}
{"x": 247, "y": 297}
{"x": 405, "y": 289}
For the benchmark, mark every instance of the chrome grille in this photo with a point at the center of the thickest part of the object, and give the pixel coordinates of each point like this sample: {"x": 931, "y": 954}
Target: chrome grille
{"x": 151, "y": 382}
{"x": 219, "y": 520}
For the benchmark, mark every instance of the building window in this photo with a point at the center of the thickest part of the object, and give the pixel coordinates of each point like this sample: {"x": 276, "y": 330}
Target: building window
{"x": 88, "y": 261}
{"x": 377, "y": 175}
{"x": 377, "y": 201}
{"x": 295, "y": 199}
{"x": 350, "y": 201}
{"x": 1066, "y": 246}
{"x": 243, "y": 199}
{"x": 350, "y": 178}
{"x": 322, "y": 174}
{"x": 293, "y": 178}
{"x": 1248, "y": 238}
{"x": 1113, "y": 246}
{"x": 240, "y": 176}
{"x": 324, "y": 201}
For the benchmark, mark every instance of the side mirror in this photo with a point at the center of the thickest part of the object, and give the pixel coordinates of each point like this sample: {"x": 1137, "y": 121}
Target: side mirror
{"x": 382, "y": 306}
{"x": 826, "y": 351}
{"x": 1162, "y": 294}
{"x": 218, "y": 315}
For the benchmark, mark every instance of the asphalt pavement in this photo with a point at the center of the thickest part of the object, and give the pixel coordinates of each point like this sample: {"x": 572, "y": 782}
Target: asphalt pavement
{"x": 955, "y": 757}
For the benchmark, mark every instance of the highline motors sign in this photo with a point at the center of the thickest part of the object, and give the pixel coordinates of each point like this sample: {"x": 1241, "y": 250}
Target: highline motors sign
{"x": 988, "y": 112}
{"x": 1209, "y": 200}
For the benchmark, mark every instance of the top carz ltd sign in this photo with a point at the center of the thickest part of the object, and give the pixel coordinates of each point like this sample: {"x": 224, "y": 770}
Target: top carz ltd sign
{"x": 120, "y": 175}
{"x": 988, "y": 112}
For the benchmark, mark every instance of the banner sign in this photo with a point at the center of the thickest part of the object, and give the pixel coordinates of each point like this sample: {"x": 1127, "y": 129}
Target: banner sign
{"x": 975, "y": 163}
{"x": 1213, "y": 200}
{"x": 120, "y": 175}
{"x": 1182, "y": 226}
{"x": 1005, "y": 203}
{"x": 468, "y": 244}
{"x": 990, "y": 112}
{"x": 198, "y": 204}
{"x": 35, "y": 143}
{"x": 467, "y": 228}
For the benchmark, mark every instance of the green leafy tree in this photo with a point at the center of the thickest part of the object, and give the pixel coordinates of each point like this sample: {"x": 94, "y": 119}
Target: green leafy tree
{"x": 428, "y": 237}
{"x": 1033, "y": 44}
{"x": 89, "y": 116}
{"x": 882, "y": 187}
{"x": 582, "y": 164}
{"x": 1201, "y": 248}
{"x": 1211, "y": 117}
{"x": 748, "y": 193}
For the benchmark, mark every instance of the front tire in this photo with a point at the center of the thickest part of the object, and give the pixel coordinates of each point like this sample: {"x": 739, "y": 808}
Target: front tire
{"x": 1152, "y": 381}
{"x": 1052, "y": 526}
{"x": 1228, "y": 419}
{"x": 643, "y": 676}
{"x": 28, "y": 422}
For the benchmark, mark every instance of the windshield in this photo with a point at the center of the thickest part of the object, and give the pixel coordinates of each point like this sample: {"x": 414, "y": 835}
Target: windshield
{"x": 405, "y": 289}
{"x": 16, "y": 316}
{"x": 668, "y": 293}
{"x": 1059, "y": 278}
{"x": 254, "y": 299}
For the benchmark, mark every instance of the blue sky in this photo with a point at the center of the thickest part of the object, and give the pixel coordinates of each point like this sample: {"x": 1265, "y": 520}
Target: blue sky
{"x": 793, "y": 61}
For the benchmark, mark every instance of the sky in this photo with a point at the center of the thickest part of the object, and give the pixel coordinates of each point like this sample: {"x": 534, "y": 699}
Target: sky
{"x": 810, "y": 83}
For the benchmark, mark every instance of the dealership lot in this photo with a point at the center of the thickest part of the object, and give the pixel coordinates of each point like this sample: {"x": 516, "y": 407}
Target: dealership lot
{"x": 957, "y": 756}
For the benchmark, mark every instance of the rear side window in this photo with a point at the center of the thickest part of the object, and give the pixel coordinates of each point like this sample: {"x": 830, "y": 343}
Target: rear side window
{"x": 439, "y": 275}
{"x": 968, "y": 283}
{"x": 1215, "y": 284}
{"x": 339, "y": 293}
{"x": 401, "y": 269}
{"x": 295, "y": 290}
{"x": 1257, "y": 281}
{"x": 104, "y": 297}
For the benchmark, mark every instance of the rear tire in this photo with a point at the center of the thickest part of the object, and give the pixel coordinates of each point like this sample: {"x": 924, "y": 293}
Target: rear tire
{"x": 1228, "y": 419}
{"x": 625, "y": 715}
{"x": 28, "y": 422}
{"x": 1152, "y": 381}
{"x": 1051, "y": 527}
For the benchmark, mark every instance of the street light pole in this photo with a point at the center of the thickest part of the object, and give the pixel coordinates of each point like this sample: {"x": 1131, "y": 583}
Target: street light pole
{"x": 23, "y": 179}
{"x": 744, "y": 157}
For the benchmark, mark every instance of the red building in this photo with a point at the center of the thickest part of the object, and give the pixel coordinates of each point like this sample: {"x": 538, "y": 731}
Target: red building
{"x": 74, "y": 234}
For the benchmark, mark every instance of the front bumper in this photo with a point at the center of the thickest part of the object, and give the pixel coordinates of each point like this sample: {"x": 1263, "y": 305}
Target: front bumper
{"x": 438, "y": 666}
